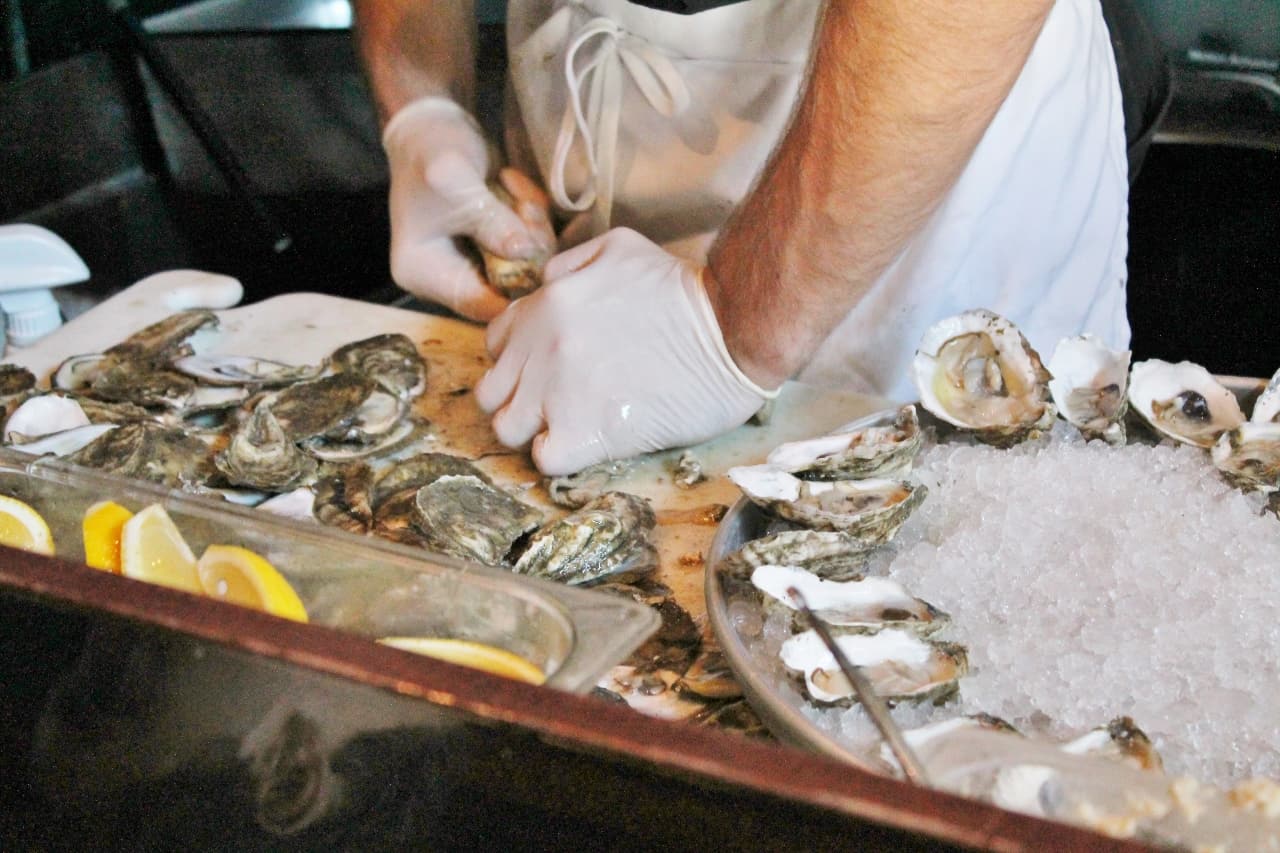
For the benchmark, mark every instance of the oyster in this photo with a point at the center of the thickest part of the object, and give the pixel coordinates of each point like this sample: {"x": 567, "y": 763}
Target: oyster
{"x": 1249, "y": 455}
{"x": 377, "y": 416}
{"x": 143, "y": 384}
{"x": 876, "y": 451}
{"x": 1267, "y": 406}
{"x": 15, "y": 380}
{"x": 43, "y": 415}
{"x": 1119, "y": 740}
{"x": 395, "y": 518}
{"x": 465, "y": 517}
{"x": 306, "y": 409}
{"x": 244, "y": 370}
{"x": 868, "y": 604}
{"x": 390, "y": 360}
{"x": 164, "y": 340}
{"x": 401, "y": 435}
{"x": 1090, "y": 386}
{"x": 577, "y": 490}
{"x": 66, "y": 442}
{"x": 674, "y": 646}
{"x": 899, "y": 664}
{"x": 871, "y": 510}
{"x": 512, "y": 278}
{"x": 976, "y": 371}
{"x": 922, "y": 736}
{"x": 342, "y": 498}
{"x": 608, "y": 537}
{"x": 828, "y": 554}
{"x": 418, "y": 471}
{"x": 149, "y": 451}
{"x": 1183, "y": 401}
{"x": 261, "y": 456}
{"x": 78, "y": 372}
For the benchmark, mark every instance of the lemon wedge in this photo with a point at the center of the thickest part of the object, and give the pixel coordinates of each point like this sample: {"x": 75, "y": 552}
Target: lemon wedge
{"x": 242, "y": 577}
{"x": 491, "y": 659}
{"x": 152, "y": 549}
{"x": 22, "y": 527}
{"x": 103, "y": 526}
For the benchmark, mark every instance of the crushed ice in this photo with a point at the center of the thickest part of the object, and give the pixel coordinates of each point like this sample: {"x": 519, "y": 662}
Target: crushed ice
{"x": 1090, "y": 582}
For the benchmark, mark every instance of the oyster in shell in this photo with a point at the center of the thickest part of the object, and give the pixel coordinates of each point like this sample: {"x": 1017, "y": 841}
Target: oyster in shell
{"x": 1119, "y": 740}
{"x": 260, "y": 455}
{"x": 876, "y": 451}
{"x": 1249, "y": 455}
{"x": 421, "y": 470}
{"x": 307, "y": 409}
{"x": 899, "y": 664}
{"x": 1267, "y": 406}
{"x": 149, "y": 451}
{"x": 164, "y": 340}
{"x": 391, "y": 360}
{"x": 1183, "y": 401}
{"x": 977, "y": 372}
{"x": 577, "y": 490}
{"x": 828, "y": 554}
{"x": 15, "y": 379}
{"x": 1090, "y": 387}
{"x": 512, "y": 278}
{"x": 870, "y": 510}
{"x": 606, "y": 538}
{"x": 856, "y": 606}
{"x": 465, "y": 517}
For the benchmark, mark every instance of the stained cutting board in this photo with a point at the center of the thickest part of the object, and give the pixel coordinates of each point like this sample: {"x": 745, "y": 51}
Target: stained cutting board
{"x": 302, "y": 328}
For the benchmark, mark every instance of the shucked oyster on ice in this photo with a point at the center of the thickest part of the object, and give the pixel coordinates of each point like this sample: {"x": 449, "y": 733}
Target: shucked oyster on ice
{"x": 877, "y": 451}
{"x": 899, "y": 664}
{"x": 1183, "y": 401}
{"x": 827, "y": 554}
{"x": 856, "y": 606}
{"x": 1249, "y": 455}
{"x": 607, "y": 538}
{"x": 871, "y": 511}
{"x": 976, "y": 371}
{"x": 1090, "y": 386}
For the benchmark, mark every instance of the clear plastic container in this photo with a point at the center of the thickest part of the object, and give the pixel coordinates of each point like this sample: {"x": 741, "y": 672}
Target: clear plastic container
{"x": 362, "y": 584}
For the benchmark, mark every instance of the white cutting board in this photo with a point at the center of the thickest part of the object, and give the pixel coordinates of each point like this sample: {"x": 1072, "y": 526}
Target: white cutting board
{"x": 303, "y": 328}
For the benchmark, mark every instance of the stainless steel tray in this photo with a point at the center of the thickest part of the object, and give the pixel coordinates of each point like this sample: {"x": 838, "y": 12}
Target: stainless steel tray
{"x": 781, "y": 710}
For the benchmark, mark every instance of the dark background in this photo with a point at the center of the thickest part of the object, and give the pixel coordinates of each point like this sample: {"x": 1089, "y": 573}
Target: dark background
{"x": 92, "y": 147}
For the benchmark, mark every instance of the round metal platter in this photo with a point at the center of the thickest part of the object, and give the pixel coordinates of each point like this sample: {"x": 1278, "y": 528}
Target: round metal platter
{"x": 782, "y": 711}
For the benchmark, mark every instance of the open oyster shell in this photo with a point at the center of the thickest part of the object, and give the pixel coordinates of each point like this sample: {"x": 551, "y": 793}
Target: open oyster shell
{"x": 1183, "y": 401}
{"x": 1249, "y": 455}
{"x": 899, "y": 664}
{"x": 856, "y": 606}
{"x": 391, "y": 360}
{"x": 827, "y": 554}
{"x": 870, "y": 510}
{"x": 977, "y": 372}
{"x": 1090, "y": 386}
{"x": 878, "y": 451}
{"x": 1267, "y": 406}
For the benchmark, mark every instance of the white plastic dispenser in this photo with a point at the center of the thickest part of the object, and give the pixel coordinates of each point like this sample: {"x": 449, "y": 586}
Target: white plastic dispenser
{"x": 33, "y": 261}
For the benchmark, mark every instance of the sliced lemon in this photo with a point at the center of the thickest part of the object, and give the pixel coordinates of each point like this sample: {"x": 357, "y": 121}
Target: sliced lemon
{"x": 475, "y": 655}
{"x": 103, "y": 526}
{"x": 240, "y": 576}
{"x": 152, "y": 549}
{"x": 22, "y": 527}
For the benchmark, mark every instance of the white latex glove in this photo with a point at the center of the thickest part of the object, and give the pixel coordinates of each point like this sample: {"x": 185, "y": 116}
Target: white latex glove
{"x": 438, "y": 161}
{"x": 619, "y": 353}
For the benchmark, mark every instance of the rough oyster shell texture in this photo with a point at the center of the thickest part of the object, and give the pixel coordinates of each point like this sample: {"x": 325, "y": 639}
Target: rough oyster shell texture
{"x": 1090, "y": 386}
{"x": 606, "y": 538}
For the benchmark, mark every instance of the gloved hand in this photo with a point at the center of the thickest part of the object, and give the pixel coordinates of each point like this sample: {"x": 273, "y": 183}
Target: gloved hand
{"x": 438, "y": 161}
{"x": 619, "y": 353}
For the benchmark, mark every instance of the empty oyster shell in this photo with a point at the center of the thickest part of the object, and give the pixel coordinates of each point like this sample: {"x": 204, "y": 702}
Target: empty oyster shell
{"x": 899, "y": 664}
{"x": 465, "y": 517}
{"x": 1183, "y": 401}
{"x": 828, "y": 554}
{"x": 1090, "y": 386}
{"x": 867, "y": 604}
{"x": 43, "y": 415}
{"x": 1249, "y": 455}
{"x": 391, "y": 360}
{"x": 976, "y": 371}
{"x": 877, "y": 451}
{"x": 606, "y": 538}
{"x": 870, "y": 510}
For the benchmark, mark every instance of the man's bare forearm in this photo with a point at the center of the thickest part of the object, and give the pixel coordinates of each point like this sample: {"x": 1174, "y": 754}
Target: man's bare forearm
{"x": 415, "y": 48}
{"x": 897, "y": 98}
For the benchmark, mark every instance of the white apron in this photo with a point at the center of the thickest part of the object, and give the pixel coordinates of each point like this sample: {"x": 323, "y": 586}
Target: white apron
{"x": 661, "y": 122}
